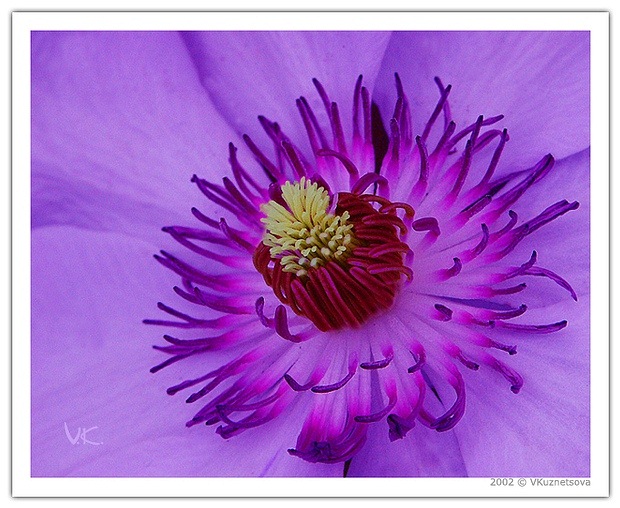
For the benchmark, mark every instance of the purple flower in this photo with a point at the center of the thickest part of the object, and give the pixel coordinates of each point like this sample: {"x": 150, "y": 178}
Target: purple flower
{"x": 362, "y": 265}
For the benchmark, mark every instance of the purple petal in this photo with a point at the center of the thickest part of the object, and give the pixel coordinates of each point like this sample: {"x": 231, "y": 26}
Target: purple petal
{"x": 251, "y": 73}
{"x": 422, "y": 453}
{"x": 120, "y": 123}
{"x": 538, "y": 80}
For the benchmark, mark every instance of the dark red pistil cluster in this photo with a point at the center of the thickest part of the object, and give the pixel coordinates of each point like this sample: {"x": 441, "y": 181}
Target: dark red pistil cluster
{"x": 334, "y": 296}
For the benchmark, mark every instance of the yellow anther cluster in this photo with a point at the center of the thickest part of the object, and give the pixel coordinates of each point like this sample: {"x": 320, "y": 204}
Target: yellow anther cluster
{"x": 305, "y": 235}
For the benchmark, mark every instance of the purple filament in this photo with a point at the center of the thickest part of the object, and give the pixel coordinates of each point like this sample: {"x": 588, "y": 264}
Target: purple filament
{"x": 377, "y": 364}
{"x": 334, "y": 386}
{"x": 296, "y": 386}
{"x": 379, "y": 415}
{"x": 420, "y": 361}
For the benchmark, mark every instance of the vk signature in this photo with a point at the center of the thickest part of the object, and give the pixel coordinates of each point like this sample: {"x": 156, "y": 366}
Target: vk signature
{"x": 80, "y": 435}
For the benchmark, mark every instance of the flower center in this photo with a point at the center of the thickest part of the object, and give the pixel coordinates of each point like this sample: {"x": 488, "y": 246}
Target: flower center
{"x": 304, "y": 235}
{"x": 337, "y": 269}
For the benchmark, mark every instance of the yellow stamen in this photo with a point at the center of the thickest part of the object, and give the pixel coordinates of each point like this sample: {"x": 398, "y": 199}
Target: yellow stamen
{"x": 306, "y": 235}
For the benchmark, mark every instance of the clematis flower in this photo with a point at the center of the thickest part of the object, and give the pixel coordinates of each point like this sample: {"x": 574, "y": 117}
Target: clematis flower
{"x": 385, "y": 275}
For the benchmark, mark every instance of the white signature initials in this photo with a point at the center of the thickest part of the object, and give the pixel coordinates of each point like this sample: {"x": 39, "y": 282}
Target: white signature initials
{"x": 80, "y": 435}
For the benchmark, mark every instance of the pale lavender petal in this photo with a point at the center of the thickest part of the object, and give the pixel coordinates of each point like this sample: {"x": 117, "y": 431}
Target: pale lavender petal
{"x": 538, "y": 80}
{"x": 252, "y": 73}
{"x": 423, "y": 453}
{"x": 120, "y": 124}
